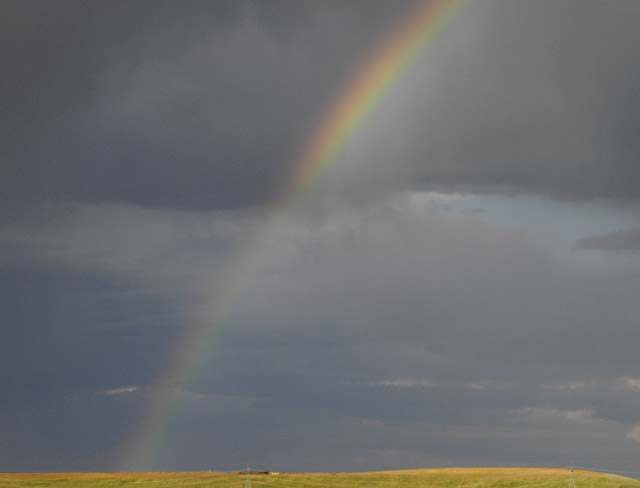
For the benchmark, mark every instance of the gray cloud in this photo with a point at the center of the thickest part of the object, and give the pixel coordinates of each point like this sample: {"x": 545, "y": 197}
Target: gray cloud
{"x": 619, "y": 241}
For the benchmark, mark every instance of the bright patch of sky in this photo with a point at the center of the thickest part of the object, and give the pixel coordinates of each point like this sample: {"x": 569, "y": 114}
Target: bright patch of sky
{"x": 547, "y": 222}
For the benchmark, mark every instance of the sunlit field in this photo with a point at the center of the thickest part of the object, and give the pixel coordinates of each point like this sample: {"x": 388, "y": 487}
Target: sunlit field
{"x": 437, "y": 478}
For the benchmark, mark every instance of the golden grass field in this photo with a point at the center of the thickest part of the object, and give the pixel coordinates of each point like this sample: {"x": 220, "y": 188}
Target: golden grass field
{"x": 427, "y": 478}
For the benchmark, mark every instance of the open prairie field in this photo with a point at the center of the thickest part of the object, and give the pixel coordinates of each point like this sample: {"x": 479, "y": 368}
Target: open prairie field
{"x": 427, "y": 478}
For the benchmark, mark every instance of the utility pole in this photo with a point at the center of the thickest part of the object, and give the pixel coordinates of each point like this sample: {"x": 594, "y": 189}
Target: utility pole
{"x": 572, "y": 480}
{"x": 247, "y": 484}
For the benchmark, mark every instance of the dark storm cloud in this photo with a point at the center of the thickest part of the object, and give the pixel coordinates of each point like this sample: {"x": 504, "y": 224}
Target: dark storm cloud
{"x": 196, "y": 105}
{"x": 205, "y": 105}
{"x": 619, "y": 241}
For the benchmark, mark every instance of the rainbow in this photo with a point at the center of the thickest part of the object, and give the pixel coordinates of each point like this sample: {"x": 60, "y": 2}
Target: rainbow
{"x": 352, "y": 106}
{"x": 364, "y": 91}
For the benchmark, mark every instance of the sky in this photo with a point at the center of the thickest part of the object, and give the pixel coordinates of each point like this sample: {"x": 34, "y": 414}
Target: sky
{"x": 461, "y": 287}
